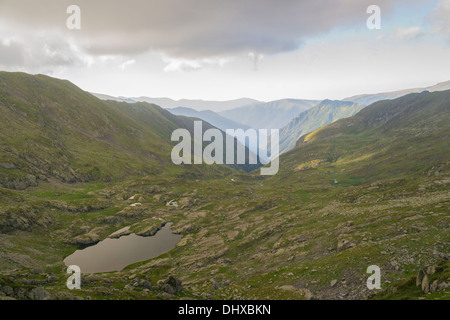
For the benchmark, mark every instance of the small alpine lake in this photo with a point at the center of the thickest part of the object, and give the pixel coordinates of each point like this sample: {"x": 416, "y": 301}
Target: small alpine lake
{"x": 115, "y": 254}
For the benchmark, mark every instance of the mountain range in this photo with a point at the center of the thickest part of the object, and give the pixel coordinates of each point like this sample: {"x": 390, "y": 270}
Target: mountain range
{"x": 248, "y": 113}
{"x": 209, "y": 116}
{"x": 198, "y": 105}
{"x": 216, "y": 120}
{"x": 367, "y": 99}
{"x": 270, "y": 115}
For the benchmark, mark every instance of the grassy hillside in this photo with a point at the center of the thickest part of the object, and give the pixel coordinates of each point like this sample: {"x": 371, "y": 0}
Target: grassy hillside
{"x": 325, "y": 113}
{"x": 51, "y": 129}
{"x": 396, "y": 137}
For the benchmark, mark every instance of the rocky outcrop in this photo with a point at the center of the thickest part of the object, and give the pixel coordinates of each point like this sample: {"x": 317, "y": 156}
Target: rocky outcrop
{"x": 148, "y": 231}
{"x": 23, "y": 218}
{"x": 86, "y": 239}
{"x": 434, "y": 278}
{"x": 39, "y": 293}
{"x": 171, "y": 285}
{"x": 17, "y": 183}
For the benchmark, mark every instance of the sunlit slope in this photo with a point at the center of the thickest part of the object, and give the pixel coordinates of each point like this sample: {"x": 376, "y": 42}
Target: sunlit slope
{"x": 326, "y": 112}
{"x": 406, "y": 136}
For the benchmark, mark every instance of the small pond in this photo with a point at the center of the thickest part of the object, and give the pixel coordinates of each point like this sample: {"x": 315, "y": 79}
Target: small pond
{"x": 115, "y": 254}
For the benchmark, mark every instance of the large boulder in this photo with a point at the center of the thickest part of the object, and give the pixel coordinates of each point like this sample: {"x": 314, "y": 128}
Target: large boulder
{"x": 87, "y": 239}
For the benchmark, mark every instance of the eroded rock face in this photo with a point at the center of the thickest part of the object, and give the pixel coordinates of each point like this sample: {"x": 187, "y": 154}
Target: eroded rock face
{"x": 39, "y": 293}
{"x": 86, "y": 239}
{"x": 171, "y": 285}
{"x": 148, "y": 231}
{"x": 419, "y": 278}
{"x": 425, "y": 284}
{"x": 19, "y": 183}
{"x": 432, "y": 278}
{"x": 23, "y": 218}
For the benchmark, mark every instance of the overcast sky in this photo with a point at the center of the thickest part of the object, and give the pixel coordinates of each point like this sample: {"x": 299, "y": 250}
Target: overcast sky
{"x": 221, "y": 50}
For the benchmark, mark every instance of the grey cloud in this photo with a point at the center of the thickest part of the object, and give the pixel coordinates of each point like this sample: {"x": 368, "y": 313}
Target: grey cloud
{"x": 255, "y": 57}
{"x": 11, "y": 54}
{"x": 441, "y": 19}
{"x": 38, "y": 54}
{"x": 190, "y": 29}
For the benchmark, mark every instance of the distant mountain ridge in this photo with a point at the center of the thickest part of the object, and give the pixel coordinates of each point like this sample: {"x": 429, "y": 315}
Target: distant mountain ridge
{"x": 199, "y": 105}
{"x": 367, "y": 99}
{"x": 209, "y": 116}
{"x": 249, "y": 113}
{"x": 214, "y": 119}
{"x": 270, "y": 115}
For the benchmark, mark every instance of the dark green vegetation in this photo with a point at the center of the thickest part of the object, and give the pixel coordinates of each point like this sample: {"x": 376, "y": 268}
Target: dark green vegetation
{"x": 368, "y": 190}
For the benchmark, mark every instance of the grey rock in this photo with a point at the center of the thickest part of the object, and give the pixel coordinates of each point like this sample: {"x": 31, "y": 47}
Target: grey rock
{"x": 443, "y": 286}
{"x": 38, "y": 293}
{"x": 434, "y": 286}
{"x": 419, "y": 278}
{"x": 425, "y": 284}
{"x": 145, "y": 284}
{"x": 172, "y": 285}
{"x": 8, "y": 291}
{"x": 431, "y": 270}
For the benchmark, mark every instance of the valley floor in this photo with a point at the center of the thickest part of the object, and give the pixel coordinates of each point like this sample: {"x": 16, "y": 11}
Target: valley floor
{"x": 244, "y": 237}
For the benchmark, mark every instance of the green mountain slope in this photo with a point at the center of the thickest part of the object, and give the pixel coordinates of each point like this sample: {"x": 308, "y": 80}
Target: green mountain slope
{"x": 393, "y": 137}
{"x": 372, "y": 189}
{"x": 51, "y": 129}
{"x": 325, "y": 113}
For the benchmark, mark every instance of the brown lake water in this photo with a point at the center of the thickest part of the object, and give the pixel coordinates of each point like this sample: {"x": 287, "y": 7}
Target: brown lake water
{"x": 115, "y": 254}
